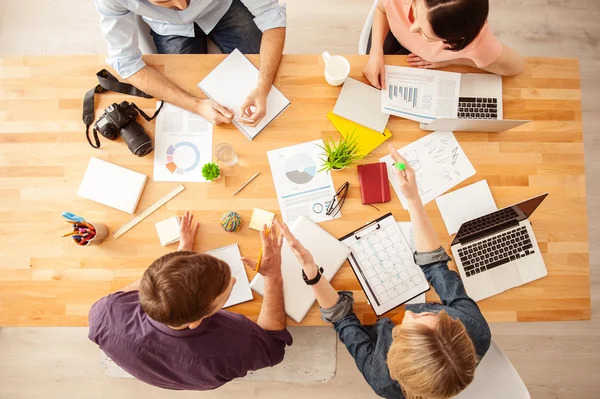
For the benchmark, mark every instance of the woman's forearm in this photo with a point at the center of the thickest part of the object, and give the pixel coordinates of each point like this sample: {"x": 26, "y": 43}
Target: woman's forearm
{"x": 379, "y": 31}
{"x": 426, "y": 239}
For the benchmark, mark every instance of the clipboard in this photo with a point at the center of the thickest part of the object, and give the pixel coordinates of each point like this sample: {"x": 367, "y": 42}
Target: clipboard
{"x": 384, "y": 264}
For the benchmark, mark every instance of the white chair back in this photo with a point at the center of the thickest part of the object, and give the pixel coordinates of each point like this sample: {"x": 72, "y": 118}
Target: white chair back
{"x": 366, "y": 31}
{"x": 495, "y": 378}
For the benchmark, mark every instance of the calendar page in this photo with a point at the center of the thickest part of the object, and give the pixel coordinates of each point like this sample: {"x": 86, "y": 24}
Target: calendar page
{"x": 384, "y": 265}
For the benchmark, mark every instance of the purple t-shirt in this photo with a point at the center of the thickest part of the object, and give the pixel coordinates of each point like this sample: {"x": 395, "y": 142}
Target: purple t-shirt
{"x": 225, "y": 346}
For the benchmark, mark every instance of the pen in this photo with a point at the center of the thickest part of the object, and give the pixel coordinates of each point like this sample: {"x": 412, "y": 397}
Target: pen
{"x": 240, "y": 118}
{"x": 245, "y": 184}
{"x": 261, "y": 253}
{"x": 400, "y": 166}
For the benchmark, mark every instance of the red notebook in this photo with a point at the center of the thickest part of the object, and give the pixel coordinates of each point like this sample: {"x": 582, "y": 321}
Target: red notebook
{"x": 374, "y": 186}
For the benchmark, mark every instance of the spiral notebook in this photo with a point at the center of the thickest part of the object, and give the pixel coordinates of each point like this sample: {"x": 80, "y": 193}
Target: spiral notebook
{"x": 241, "y": 292}
{"x": 328, "y": 253}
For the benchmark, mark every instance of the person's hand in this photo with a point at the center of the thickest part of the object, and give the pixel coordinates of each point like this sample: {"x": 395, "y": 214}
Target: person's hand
{"x": 214, "y": 112}
{"x": 270, "y": 265}
{"x": 255, "y": 106}
{"x": 187, "y": 232}
{"x": 406, "y": 177}
{"x": 418, "y": 62}
{"x": 304, "y": 257}
{"x": 375, "y": 70}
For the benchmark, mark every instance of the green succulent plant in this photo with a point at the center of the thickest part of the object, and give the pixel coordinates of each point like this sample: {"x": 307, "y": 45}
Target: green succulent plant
{"x": 211, "y": 171}
{"x": 341, "y": 154}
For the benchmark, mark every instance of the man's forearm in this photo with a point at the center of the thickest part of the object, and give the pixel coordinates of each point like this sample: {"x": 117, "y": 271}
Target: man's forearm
{"x": 271, "y": 48}
{"x": 272, "y": 312}
{"x": 159, "y": 86}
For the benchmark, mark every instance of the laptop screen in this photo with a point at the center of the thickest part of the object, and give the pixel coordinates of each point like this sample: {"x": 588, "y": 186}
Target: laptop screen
{"x": 527, "y": 207}
{"x": 498, "y": 220}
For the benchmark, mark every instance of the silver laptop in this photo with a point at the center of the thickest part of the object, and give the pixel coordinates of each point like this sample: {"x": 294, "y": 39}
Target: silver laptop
{"x": 479, "y": 107}
{"x": 499, "y": 251}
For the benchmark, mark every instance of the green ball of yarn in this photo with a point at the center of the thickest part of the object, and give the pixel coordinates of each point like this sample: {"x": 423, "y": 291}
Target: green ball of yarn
{"x": 231, "y": 222}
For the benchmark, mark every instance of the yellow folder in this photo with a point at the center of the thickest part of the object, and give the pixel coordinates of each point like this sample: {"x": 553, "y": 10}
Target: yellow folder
{"x": 368, "y": 139}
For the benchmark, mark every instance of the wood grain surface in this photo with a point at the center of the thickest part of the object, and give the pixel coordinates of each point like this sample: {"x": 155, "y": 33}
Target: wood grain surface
{"x": 47, "y": 280}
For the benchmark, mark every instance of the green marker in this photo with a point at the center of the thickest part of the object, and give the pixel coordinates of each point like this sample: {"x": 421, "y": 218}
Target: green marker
{"x": 400, "y": 166}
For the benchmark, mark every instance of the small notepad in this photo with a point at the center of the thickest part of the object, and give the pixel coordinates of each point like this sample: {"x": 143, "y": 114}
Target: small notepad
{"x": 230, "y": 83}
{"x": 260, "y": 218}
{"x": 168, "y": 231}
{"x": 241, "y": 292}
{"x": 112, "y": 185}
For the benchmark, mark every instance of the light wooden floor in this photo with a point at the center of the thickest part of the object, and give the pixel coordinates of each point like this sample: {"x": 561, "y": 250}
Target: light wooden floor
{"x": 556, "y": 360}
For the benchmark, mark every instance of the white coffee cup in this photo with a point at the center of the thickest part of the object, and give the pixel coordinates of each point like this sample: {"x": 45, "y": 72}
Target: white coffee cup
{"x": 337, "y": 69}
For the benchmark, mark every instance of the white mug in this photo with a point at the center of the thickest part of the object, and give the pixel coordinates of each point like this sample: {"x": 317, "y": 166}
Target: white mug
{"x": 337, "y": 69}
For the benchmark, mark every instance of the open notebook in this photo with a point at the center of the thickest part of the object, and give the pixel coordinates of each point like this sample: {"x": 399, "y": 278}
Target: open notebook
{"x": 230, "y": 83}
{"x": 328, "y": 252}
{"x": 241, "y": 290}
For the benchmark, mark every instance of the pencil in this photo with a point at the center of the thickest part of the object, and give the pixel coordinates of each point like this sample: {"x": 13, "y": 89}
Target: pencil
{"x": 261, "y": 253}
{"x": 245, "y": 184}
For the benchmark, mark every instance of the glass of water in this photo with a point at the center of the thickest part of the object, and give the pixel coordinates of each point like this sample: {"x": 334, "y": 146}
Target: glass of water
{"x": 226, "y": 154}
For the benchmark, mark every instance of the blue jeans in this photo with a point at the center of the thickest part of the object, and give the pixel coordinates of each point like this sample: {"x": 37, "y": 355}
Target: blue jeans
{"x": 235, "y": 30}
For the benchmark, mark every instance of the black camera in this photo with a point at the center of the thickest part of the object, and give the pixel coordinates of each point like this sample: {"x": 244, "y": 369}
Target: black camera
{"x": 119, "y": 119}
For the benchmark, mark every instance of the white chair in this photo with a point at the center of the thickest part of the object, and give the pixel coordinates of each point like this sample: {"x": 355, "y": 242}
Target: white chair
{"x": 366, "y": 31}
{"x": 495, "y": 378}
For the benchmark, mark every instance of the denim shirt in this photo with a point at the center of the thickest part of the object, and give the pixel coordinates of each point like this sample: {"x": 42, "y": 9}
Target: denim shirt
{"x": 369, "y": 347}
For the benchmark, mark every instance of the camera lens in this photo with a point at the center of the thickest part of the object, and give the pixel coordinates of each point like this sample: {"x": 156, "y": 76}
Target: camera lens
{"x": 137, "y": 140}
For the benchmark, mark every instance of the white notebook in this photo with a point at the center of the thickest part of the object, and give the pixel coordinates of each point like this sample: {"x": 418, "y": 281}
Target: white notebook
{"x": 168, "y": 230}
{"x": 361, "y": 103}
{"x": 328, "y": 252}
{"x": 241, "y": 292}
{"x": 230, "y": 83}
{"x": 112, "y": 185}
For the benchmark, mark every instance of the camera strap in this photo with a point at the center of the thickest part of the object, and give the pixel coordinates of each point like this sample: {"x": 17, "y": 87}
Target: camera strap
{"x": 107, "y": 82}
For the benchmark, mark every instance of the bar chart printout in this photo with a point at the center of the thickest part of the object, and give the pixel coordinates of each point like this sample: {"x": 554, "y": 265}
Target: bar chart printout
{"x": 421, "y": 95}
{"x": 409, "y": 95}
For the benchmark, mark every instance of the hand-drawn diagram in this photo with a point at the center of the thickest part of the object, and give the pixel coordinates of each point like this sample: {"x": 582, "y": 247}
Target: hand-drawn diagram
{"x": 439, "y": 163}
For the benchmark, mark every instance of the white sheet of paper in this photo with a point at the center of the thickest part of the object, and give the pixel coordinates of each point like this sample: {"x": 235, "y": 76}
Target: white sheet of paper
{"x": 241, "y": 290}
{"x": 439, "y": 163}
{"x": 301, "y": 189}
{"x": 466, "y": 204}
{"x": 420, "y": 95}
{"x": 360, "y": 103}
{"x": 230, "y": 83}
{"x": 183, "y": 145}
{"x": 407, "y": 231}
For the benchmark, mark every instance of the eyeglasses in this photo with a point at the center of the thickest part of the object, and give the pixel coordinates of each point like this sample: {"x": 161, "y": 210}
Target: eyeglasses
{"x": 338, "y": 200}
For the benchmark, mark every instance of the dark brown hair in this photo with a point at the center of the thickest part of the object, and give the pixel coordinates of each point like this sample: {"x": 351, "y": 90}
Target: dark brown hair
{"x": 432, "y": 363}
{"x": 181, "y": 287}
{"x": 457, "y": 22}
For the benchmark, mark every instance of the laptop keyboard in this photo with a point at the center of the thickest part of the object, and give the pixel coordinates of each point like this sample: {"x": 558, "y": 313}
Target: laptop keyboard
{"x": 495, "y": 251}
{"x": 487, "y": 221}
{"x": 477, "y": 108}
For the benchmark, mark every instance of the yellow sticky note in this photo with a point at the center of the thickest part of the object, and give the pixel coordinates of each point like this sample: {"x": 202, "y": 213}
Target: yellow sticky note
{"x": 368, "y": 139}
{"x": 260, "y": 218}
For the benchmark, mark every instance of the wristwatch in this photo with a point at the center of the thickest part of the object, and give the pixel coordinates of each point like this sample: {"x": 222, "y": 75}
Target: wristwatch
{"x": 316, "y": 279}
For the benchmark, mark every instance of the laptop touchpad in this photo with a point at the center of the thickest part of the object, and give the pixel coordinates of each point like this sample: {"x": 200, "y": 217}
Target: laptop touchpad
{"x": 506, "y": 276}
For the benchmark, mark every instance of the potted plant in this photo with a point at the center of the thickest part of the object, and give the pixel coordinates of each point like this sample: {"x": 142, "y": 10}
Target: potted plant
{"x": 211, "y": 171}
{"x": 341, "y": 154}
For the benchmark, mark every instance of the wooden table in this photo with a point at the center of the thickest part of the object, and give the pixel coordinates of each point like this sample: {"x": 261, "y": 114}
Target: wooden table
{"x": 47, "y": 280}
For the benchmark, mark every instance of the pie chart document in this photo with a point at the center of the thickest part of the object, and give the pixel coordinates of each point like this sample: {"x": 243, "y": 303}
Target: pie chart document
{"x": 183, "y": 144}
{"x": 301, "y": 189}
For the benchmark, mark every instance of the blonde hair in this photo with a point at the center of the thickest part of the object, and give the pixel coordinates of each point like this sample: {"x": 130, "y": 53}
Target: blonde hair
{"x": 432, "y": 363}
